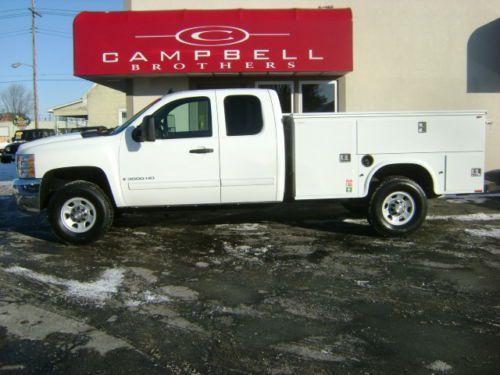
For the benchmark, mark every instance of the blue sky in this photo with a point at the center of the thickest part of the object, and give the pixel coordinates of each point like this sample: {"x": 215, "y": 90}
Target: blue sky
{"x": 56, "y": 83}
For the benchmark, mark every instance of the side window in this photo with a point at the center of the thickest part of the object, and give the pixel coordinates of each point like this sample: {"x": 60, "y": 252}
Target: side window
{"x": 184, "y": 118}
{"x": 243, "y": 115}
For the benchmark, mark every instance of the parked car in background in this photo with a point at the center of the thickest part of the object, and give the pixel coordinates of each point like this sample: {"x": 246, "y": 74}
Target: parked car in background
{"x": 20, "y": 137}
{"x": 2, "y": 146}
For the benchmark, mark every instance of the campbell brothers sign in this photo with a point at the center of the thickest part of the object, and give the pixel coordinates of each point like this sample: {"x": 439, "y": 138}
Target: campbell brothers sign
{"x": 213, "y": 41}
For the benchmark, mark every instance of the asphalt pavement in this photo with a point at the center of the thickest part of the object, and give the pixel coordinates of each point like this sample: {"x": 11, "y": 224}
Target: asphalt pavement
{"x": 296, "y": 289}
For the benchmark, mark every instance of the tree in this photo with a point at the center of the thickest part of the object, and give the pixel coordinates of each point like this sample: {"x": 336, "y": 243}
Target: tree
{"x": 16, "y": 99}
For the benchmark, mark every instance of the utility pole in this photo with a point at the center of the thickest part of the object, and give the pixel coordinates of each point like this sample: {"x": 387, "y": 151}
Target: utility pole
{"x": 34, "y": 14}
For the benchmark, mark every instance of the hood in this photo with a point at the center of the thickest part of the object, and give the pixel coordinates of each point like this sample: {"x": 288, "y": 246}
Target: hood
{"x": 50, "y": 140}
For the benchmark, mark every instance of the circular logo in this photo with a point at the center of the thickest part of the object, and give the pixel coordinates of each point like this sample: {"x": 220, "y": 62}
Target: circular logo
{"x": 212, "y": 36}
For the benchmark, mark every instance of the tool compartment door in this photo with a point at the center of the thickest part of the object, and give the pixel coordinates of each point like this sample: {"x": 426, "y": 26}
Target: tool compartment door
{"x": 324, "y": 157}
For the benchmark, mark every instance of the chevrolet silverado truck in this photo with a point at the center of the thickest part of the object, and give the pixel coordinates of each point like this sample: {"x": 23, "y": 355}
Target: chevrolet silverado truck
{"x": 234, "y": 146}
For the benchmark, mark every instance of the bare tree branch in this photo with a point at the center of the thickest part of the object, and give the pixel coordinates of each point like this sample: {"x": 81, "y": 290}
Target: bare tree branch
{"x": 16, "y": 99}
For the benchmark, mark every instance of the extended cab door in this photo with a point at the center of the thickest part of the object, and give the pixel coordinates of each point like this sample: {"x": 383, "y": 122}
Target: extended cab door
{"x": 181, "y": 166}
{"x": 251, "y": 148}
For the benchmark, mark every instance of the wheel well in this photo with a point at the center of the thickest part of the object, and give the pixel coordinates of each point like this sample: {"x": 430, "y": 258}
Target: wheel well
{"x": 55, "y": 179}
{"x": 413, "y": 171}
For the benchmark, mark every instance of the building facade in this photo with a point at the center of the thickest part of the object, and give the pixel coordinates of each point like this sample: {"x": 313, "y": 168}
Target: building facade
{"x": 100, "y": 106}
{"x": 404, "y": 55}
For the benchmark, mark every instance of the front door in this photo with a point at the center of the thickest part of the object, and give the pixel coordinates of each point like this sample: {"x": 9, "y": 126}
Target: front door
{"x": 182, "y": 165}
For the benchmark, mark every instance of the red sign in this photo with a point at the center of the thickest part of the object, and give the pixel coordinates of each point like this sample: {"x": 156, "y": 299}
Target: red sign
{"x": 213, "y": 41}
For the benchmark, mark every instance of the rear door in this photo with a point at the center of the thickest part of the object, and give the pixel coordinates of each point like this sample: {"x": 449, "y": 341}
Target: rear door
{"x": 248, "y": 147}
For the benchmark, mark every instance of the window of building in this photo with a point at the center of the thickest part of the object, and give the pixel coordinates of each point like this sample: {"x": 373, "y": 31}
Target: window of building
{"x": 284, "y": 90}
{"x": 184, "y": 118}
{"x": 122, "y": 116}
{"x": 318, "y": 96}
{"x": 243, "y": 115}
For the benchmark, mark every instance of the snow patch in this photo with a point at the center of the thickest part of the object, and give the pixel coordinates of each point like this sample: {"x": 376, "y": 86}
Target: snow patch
{"x": 363, "y": 283}
{"x": 97, "y": 291}
{"x": 33, "y": 323}
{"x": 439, "y": 366}
{"x": 147, "y": 298}
{"x": 245, "y": 252}
{"x": 355, "y": 221}
{"x": 245, "y": 227}
{"x": 493, "y": 233}
{"x": 470, "y": 217}
{"x": 180, "y": 292}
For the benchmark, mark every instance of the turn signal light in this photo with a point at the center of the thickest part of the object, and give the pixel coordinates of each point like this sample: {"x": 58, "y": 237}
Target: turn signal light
{"x": 25, "y": 165}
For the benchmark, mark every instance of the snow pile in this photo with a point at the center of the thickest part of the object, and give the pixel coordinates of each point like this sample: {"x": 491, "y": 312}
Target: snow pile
{"x": 97, "y": 291}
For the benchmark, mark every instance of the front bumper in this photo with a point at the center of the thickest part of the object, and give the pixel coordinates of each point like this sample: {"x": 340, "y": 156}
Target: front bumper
{"x": 27, "y": 193}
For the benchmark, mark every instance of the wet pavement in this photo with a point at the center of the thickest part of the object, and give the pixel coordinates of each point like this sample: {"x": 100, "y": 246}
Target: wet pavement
{"x": 299, "y": 289}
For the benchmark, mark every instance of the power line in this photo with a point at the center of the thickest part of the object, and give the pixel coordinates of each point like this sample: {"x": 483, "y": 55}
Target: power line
{"x": 46, "y": 80}
{"x": 24, "y": 76}
{"x": 46, "y": 33}
{"x": 59, "y": 10}
{"x": 11, "y": 16}
{"x": 15, "y": 35}
{"x": 13, "y": 31}
{"x": 54, "y": 30}
{"x": 11, "y": 10}
{"x": 51, "y": 13}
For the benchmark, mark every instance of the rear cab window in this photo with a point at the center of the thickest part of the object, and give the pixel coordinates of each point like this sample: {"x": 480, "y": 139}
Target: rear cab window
{"x": 243, "y": 115}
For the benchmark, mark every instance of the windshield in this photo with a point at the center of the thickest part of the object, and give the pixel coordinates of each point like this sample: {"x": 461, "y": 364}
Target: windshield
{"x": 127, "y": 123}
{"x": 18, "y": 136}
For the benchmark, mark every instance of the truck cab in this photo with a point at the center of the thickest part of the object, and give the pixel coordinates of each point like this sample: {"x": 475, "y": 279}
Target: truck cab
{"x": 215, "y": 147}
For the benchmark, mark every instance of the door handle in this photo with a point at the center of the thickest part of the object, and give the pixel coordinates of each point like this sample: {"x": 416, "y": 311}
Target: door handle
{"x": 202, "y": 150}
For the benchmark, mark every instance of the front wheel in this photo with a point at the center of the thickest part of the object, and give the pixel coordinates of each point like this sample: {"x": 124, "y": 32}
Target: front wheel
{"x": 80, "y": 212}
{"x": 397, "y": 207}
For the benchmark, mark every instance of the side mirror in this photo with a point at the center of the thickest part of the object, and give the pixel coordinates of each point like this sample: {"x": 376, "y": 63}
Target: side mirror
{"x": 145, "y": 132}
{"x": 148, "y": 129}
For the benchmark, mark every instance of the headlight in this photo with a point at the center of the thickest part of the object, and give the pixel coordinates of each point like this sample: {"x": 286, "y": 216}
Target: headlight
{"x": 25, "y": 165}
{"x": 7, "y": 149}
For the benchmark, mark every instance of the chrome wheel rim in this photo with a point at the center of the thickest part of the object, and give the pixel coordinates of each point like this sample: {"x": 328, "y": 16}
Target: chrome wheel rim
{"x": 78, "y": 215}
{"x": 398, "y": 208}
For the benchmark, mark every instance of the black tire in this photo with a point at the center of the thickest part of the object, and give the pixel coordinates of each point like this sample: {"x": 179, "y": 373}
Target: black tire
{"x": 80, "y": 213}
{"x": 397, "y": 207}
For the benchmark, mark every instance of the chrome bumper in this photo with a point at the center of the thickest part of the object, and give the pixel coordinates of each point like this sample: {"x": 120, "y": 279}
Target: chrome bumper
{"x": 27, "y": 193}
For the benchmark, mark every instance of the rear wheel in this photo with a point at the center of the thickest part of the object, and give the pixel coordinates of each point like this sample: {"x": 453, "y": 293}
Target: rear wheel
{"x": 397, "y": 207}
{"x": 80, "y": 212}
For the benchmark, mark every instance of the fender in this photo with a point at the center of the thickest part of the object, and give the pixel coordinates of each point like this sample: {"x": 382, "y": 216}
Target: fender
{"x": 437, "y": 189}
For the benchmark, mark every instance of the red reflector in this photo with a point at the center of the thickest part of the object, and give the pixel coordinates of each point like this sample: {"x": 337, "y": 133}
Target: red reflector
{"x": 478, "y": 191}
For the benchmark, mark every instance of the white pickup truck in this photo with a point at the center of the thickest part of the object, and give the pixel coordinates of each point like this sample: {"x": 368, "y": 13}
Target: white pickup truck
{"x": 222, "y": 147}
